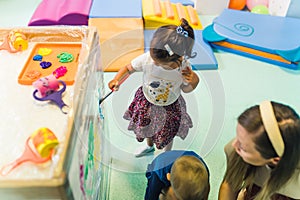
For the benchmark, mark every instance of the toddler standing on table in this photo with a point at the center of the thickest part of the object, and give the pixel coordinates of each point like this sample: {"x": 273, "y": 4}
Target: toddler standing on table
{"x": 158, "y": 111}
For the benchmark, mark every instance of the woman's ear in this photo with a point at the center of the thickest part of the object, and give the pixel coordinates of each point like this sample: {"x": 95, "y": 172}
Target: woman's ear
{"x": 168, "y": 176}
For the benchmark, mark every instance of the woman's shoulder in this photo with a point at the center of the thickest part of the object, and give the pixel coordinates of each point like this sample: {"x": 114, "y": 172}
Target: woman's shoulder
{"x": 291, "y": 188}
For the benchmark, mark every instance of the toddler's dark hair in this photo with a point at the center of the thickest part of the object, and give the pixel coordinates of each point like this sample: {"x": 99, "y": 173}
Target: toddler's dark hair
{"x": 179, "y": 40}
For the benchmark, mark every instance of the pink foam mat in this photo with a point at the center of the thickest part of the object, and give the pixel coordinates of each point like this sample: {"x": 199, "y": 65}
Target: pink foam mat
{"x": 61, "y": 12}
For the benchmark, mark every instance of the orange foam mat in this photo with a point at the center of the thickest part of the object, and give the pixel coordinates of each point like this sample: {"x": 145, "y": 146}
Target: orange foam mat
{"x": 112, "y": 27}
{"x": 31, "y": 66}
{"x": 121, "y": 39}
{"x": 122, "y": 60}
{"x": 252, "y": 51}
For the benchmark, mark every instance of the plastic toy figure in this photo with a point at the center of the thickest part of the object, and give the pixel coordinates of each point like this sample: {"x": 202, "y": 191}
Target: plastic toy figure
{"x": 47, "y": 89}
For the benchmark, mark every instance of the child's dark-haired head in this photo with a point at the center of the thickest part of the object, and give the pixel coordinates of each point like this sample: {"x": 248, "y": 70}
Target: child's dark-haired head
{"x": 170, "y": 42}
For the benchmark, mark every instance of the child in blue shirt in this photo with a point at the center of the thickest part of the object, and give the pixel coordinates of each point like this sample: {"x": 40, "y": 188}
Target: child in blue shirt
{"x": 177, "y": 174}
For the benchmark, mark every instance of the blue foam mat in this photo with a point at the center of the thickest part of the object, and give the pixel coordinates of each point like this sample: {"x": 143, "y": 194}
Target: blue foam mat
{"x": 271, "y": 34}
{"x": 116, "y": 9}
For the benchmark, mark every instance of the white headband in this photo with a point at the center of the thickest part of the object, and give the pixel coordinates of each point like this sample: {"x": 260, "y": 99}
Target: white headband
{"x": 271, "y": 126}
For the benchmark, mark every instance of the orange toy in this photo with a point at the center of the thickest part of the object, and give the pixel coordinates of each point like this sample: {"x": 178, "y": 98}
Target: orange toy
{"x": 237, "y": 4}
{"x": 14, "y": 42}
{"x": 44, "y": 141}
{"x": 19, "y": 41}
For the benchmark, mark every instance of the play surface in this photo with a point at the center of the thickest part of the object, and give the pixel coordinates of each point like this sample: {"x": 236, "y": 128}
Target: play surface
{"x": 56, "y": 55}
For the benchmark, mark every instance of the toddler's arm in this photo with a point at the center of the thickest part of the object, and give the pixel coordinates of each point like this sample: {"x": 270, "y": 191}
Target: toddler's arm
{"x": 122, "y": 74}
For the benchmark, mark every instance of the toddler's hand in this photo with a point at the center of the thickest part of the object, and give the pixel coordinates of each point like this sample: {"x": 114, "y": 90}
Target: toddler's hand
{"x": 113, "y": 84}
{"x": 187, "y": 74}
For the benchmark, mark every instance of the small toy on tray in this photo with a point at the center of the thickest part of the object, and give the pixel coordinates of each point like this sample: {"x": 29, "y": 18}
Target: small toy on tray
{"x": 48, "y": 89}
{"x": 14, "y": 42}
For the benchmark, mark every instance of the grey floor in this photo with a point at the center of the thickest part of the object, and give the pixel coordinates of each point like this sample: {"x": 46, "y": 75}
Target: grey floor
{"x": 214, "y": 106}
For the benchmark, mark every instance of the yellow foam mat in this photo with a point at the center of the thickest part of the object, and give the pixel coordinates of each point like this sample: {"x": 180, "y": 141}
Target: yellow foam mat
{"x": 157, "y": 13}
